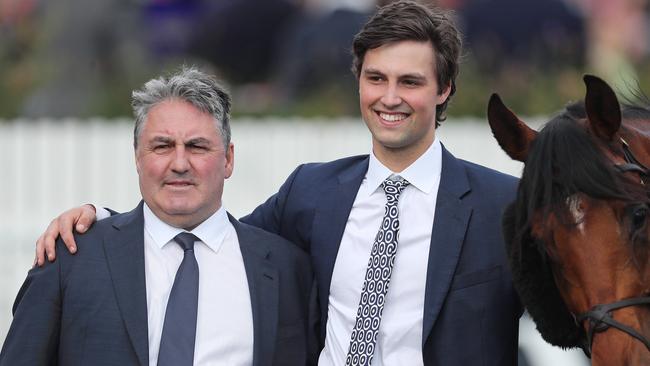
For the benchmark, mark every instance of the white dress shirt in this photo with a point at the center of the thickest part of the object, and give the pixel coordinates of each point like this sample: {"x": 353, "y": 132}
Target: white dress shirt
{"x": 224, "y": 327}
{"x": 400, "y": 334}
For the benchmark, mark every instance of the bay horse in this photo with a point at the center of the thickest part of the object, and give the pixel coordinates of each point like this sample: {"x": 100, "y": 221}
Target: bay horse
{"x": 578, "y": 233}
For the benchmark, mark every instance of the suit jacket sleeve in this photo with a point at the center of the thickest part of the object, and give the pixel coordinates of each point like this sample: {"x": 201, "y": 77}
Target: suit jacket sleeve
{"x": 268, "y": 215}
{"x": 33, "y": 337}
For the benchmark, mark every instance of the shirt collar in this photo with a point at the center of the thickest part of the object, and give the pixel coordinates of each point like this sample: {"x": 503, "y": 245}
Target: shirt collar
{"x": 423, "y": 173}
{"x": 211, "y": 231}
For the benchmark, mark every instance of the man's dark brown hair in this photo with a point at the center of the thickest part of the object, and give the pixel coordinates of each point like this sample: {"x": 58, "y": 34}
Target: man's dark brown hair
{"x": 406, "y": 20}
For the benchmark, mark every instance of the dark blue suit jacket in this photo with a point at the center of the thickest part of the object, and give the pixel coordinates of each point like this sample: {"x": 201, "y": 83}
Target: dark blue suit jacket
{"x": 471, "y": 310}
{"x": 91, "y": 309}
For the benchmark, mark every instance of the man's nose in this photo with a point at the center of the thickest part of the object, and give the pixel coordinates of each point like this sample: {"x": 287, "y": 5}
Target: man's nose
{"x": 180, "y": 162}
{"x": 391, "y": 97}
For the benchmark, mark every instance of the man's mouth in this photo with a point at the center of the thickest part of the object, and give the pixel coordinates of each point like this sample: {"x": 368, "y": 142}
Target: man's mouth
{"x": 392, "y": 117}
{"x": 179, "y": 183}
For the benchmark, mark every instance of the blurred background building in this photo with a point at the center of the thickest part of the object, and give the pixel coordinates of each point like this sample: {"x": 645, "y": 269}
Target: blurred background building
{"x": 67, "y": 68}
{"x": 291, "y": 57}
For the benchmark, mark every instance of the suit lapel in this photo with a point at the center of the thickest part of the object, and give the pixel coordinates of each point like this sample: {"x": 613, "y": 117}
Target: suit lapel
{"x": 264, "y": 291}
{"x": 124, "y": 249}
{"x": 330, "y": 219}
{"x": 452, "y": 216}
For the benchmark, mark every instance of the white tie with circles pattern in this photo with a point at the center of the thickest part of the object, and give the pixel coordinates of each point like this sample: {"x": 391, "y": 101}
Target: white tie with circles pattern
{"x": 375, "y": 284}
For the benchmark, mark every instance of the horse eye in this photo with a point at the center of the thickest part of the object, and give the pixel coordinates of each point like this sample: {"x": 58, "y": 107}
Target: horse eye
{"x": 639, "y": 216}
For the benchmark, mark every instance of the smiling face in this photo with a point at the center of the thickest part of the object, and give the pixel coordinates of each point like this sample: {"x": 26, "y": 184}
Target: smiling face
{"x": 398, "y": 95}
{"x": 182, "y": 163}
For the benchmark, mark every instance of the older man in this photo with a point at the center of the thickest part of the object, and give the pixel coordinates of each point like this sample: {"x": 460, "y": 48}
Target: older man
{"x": 176, "y": 281}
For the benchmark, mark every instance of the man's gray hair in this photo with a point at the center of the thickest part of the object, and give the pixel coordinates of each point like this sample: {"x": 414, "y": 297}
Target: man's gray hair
{"x": 190, "y": 85}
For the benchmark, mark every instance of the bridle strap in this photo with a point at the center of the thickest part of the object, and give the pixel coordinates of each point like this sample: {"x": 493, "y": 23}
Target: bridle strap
{"x": 629, "y": 157}
{"x": 629, "y": 167}
{"x": 600, "y": 319}
{"x": 632, "y": 164}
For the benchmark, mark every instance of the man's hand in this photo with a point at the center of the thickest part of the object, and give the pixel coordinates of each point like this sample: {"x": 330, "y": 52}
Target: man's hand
{"x": 79, "y": 218}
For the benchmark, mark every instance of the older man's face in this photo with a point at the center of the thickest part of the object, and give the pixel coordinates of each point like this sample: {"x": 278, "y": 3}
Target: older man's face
{"x": 182, "y": 163}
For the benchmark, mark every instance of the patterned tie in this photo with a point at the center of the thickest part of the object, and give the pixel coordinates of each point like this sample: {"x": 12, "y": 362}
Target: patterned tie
{"x": 179, "y": 329}
{"x": 375, "y": 285}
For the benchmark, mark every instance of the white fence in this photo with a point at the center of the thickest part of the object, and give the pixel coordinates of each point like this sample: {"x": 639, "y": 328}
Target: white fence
{"x": 49, "y": 166}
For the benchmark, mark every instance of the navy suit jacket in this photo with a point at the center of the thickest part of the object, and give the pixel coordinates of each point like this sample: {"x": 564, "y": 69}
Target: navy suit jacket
{"x": 471, "y": 311}
{"x": 91, "y": 309}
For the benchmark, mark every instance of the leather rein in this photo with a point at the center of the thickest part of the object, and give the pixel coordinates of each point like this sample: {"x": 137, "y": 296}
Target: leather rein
{"x": 600, "y": 316}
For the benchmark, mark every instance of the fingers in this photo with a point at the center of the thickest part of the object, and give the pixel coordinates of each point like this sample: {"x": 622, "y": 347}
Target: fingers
{"x": 39, "y": 256}
{"x": 46, "y": 242}
{"x": 65, "y": 224}
{"x": 86, "y": 218}
{"x": 78, "y": 218}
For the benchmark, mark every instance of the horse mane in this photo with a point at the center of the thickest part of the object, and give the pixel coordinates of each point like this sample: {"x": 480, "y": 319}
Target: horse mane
{"x": 563, "y": 160}
{"x": 533, "y": 280}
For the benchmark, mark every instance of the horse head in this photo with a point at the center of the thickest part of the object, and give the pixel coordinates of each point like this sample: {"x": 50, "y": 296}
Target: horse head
{"x": 578, "y": 232}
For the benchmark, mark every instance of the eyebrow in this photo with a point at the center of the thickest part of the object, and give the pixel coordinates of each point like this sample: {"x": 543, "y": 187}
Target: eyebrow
{"x": 163, "y": 139}
{"x": 372, "y": 71}
{"x": 192, "y": 141}
{"x": 198, "y": 141}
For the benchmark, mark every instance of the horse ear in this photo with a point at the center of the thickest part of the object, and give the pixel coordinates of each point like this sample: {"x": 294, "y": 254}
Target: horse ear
{"x": 513, "y": 135}
{"x": 602, "y": 107}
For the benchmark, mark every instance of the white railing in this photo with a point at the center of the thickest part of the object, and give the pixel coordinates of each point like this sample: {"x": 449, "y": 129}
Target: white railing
{"x": 50, "y": 165}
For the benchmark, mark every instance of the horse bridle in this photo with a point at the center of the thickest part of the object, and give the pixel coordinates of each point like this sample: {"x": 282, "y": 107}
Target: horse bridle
{"x": 600, "y": 319}
{"x": 600, "y": 316}
{"x": 632, "y": 164}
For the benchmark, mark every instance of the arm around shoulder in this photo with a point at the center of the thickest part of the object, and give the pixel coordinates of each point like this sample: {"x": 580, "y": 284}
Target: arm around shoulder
{"x": 268, "y": 215}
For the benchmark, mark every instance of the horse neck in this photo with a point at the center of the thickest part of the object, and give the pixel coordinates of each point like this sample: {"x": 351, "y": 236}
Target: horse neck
{"x": 613, "y": 347}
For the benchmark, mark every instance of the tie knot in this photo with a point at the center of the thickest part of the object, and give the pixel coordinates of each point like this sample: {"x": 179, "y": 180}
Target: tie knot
{"x": 186, "y": 240}
{"x": 393, "y": 187}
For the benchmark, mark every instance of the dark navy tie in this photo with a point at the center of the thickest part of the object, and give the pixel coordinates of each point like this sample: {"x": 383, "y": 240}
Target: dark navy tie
{"x": 179, "y": 329}
{"x": 375, "y": 285}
